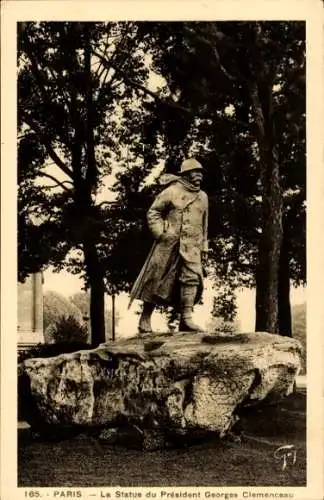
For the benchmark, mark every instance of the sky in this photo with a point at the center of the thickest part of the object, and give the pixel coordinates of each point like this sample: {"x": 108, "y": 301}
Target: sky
{"x": 68, "y": 284}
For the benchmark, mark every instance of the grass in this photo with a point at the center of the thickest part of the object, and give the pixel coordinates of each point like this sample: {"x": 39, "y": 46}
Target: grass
{"x": 82, "y": 461}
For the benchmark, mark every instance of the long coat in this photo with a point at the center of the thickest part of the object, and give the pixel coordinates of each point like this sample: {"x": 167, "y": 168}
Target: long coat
{"x": 178, "y": 220}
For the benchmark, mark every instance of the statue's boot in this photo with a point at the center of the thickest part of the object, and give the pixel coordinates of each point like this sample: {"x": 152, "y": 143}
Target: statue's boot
{"x": 187, "y": 300}
{"x": 145, "y": 319}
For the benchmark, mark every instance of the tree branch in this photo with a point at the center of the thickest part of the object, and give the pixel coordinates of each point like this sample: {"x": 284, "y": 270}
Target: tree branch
{"x": 109, "y": 63}
{"x": 99, "y": 73}
{"x": 167, "y": 102}
{"x": 38, "y": 73}
{"x": 106, "y": 203}
{"x": 171, "y": 104}
{"x": 47, "y": 143}
{"x": 58, "y": 183}
{"x": 149, "y": 92}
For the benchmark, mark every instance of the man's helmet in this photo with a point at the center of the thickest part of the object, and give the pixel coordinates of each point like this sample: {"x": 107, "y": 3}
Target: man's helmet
{"x": 190, "y": 164}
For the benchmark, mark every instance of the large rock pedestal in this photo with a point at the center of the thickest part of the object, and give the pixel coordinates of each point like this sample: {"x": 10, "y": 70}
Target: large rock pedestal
{"x": 176, "y": 384}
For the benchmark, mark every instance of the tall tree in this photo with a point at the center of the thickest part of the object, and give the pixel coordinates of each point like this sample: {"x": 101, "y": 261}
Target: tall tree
{"x": 239, "y": 83}
{"x": 71, "y": 115}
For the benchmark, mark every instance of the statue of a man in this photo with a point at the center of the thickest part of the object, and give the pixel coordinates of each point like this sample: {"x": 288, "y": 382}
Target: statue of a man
{"x": 173, "y": 271}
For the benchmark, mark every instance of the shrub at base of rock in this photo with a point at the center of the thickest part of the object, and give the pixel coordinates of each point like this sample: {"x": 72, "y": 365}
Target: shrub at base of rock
{"x": 175, "y": 386}
{"x": 66, "y": 329}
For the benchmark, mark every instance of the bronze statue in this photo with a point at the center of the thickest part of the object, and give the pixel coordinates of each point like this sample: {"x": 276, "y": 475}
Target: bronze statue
{"x": 173, "y": 271}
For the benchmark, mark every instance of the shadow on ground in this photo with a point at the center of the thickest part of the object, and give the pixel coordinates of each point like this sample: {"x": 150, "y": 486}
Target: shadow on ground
{"x": 82, "y": 461}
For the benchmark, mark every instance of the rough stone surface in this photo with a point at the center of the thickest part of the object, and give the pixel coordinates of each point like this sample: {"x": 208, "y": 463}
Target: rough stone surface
{"x": 179, "y": 384}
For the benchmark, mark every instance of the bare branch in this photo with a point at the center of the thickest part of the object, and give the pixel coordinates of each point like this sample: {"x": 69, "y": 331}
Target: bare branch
{"x": 102, "y": 71}
{"x": 149, "y": 92}
{"x": 106, "y": 203}
{"x": 104, "y": 55}
{"x": 120, "y": 50}
{"x": 58, "y": 183}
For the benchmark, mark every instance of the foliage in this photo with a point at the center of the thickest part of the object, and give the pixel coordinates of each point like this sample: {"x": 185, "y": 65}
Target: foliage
{"x": 68, "y": 329}
{"x": 56, "y": 306}
{"x": 74, "y": 99}
{"x": 82, "y": 301}
{"x": 224, "y": 303}
{"x": 63, "y": 320}
{"x": 218, "y": 324}
{"x": 53, "y": 109}
{"x": 246, "y": 122}
{"x": 299, "y": 330}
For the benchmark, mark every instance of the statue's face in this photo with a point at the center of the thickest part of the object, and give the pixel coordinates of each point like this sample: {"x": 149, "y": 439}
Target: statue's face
{"x": 195, "y": 177}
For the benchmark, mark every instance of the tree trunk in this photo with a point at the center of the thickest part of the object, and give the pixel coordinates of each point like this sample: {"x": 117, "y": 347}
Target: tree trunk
{"x": 284, "y": 307}
{"x": 97, "y": 295}
{"x": 269, "y": 250}
{"x": 113, "y": 316}
{"x": 92, "y": 173}
{"x": 95, "y": 272}
{"x": 97, "y": 308}
{"x": 270, "y": 240}
{"x": 85, "y": 180}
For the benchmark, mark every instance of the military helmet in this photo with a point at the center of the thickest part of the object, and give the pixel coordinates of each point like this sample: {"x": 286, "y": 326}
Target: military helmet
{"x": 190, "y": 164}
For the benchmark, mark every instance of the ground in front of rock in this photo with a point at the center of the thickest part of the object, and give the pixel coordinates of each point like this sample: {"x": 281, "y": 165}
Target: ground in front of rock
{"x": 84, "y": 461}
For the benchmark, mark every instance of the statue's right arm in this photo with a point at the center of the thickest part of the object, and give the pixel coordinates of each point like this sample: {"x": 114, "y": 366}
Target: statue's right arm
{"x": 156, "y": 213}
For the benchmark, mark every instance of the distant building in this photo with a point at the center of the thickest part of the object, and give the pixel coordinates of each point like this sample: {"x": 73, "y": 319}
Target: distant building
{"x": 30, "y": 311}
